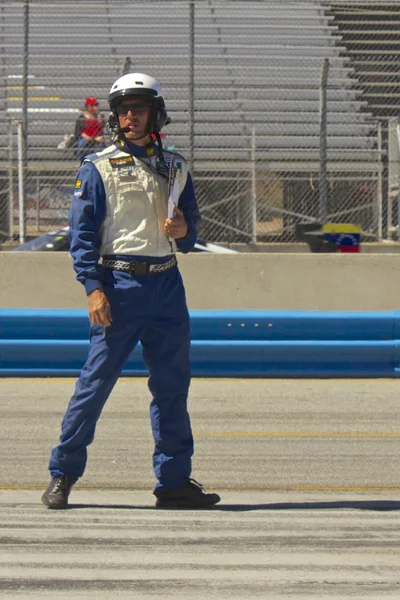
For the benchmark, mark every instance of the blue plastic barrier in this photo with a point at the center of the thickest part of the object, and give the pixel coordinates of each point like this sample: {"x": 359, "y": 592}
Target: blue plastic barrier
{"x": 224, "y": 343}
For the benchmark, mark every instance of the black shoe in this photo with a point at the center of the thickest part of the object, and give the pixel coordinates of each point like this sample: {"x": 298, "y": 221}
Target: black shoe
{"x": 189, "y": 495}
{"x": 56, "y": 495}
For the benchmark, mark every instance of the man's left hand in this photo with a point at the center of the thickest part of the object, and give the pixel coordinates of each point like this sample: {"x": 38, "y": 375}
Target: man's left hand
{"x": 176, "y": 227}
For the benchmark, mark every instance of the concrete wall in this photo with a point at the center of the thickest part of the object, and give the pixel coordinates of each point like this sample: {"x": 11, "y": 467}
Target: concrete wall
{"x": 245, "y": 281}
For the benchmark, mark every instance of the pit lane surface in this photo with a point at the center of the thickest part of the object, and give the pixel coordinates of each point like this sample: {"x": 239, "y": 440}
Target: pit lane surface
{"x": 308, "y": 471}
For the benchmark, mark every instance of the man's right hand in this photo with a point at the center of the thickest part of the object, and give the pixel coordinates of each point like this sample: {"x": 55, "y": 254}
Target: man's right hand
{"x": 99, "y": 309}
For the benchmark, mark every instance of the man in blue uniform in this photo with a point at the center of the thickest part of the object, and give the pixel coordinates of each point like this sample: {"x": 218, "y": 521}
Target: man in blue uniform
{"x": 123, "y": 244}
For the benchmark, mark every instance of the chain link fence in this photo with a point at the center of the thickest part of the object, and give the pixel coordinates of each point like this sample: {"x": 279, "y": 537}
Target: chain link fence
{"x": 254, "y": 203}
{"x": 246, "y": 207}
{"x": 270, "y": 143}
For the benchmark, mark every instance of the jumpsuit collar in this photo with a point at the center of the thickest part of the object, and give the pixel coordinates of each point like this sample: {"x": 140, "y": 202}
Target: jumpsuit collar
{"x": 137, "y": 151}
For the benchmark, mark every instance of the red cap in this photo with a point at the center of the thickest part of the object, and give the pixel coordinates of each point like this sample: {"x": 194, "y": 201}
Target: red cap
{"x": 91, "y": 101}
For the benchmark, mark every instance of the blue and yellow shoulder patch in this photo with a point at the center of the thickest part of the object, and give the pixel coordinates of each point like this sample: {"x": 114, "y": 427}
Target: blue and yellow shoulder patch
{"x": 78, "y": 184}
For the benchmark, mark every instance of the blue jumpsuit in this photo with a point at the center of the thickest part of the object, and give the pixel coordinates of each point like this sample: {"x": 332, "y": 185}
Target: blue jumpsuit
{"x": 150, "y": 309}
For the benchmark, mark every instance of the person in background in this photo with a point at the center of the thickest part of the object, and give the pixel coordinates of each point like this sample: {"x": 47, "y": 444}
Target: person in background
{"x": 89, "y": 129}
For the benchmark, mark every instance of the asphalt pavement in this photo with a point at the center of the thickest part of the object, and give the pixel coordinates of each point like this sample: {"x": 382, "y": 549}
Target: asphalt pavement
{"x": 308, "y": 472}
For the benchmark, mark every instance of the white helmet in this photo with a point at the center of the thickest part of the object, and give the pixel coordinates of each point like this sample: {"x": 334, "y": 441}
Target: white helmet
{"x": 139, "y": 84}
{"x": 133, "y": 84}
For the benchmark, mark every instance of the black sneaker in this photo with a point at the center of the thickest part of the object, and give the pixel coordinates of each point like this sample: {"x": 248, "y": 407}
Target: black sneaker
{"x": 56, "y": 495}
{"x": 189, "y": 495}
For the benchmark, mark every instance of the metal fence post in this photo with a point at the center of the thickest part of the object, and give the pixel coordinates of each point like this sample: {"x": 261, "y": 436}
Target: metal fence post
{"x": 379, "y": 197}
{"x": 38, "y": 202}
{"x": 23, "y": 129}
{"x": 398, "y": 180}
{"x": 25, "y": 83}
{"x": 191, "y": 84}
{"x": 394, "y": 171}
{"x": 323, "y": 172}
{"x": 253, "y": 186}
{"x": 21, "y": 186}
{"x": 10, "y": 184}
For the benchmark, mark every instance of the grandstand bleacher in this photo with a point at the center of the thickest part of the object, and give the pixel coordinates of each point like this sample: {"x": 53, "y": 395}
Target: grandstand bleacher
{"x": 257, "y": 74}
{"x": 370, "y": 32}
{"x": 255, "y": 62}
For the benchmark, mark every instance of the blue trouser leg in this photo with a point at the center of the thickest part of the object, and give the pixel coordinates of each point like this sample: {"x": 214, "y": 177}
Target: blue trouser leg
{"x": 152, "y": 309}
{"x": 166, "y": 343}
{"x": 107, "y": 356}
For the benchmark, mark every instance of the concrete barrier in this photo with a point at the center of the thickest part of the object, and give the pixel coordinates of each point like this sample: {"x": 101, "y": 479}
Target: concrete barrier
{"x": 226, "y": 282}
{"x": 224, "y": 343}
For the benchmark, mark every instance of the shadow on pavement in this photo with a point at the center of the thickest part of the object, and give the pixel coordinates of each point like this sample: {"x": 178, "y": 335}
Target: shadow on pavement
{"x": 353, "y": 504}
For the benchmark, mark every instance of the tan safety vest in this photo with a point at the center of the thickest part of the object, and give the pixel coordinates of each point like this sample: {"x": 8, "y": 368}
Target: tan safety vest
{"x": 136, "y": 198}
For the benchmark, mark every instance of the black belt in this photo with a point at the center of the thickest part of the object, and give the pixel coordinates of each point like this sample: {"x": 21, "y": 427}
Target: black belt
{"x": 134, "y": 267}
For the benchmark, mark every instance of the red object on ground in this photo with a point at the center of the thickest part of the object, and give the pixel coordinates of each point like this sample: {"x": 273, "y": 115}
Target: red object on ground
{"x": 352, "y": 249}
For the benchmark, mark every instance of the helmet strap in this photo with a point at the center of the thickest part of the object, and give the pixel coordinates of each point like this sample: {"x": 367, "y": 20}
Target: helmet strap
{"x": 160, "y": 148}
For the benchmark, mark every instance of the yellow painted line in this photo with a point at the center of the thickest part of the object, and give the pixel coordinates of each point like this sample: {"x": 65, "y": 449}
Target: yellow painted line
{"x": 295, "y": 434}
{"x": 47, "y": 98}
{"x": 20, "y": 87}
{"x": 21, "y": 487}
{"x": 328, "y": 488}
{"x": 266, "y": 488}
{"x": 301, "y": 381}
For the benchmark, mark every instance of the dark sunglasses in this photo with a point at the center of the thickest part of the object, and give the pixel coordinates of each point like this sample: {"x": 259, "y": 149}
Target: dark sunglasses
{"x": 137, "y": 108}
